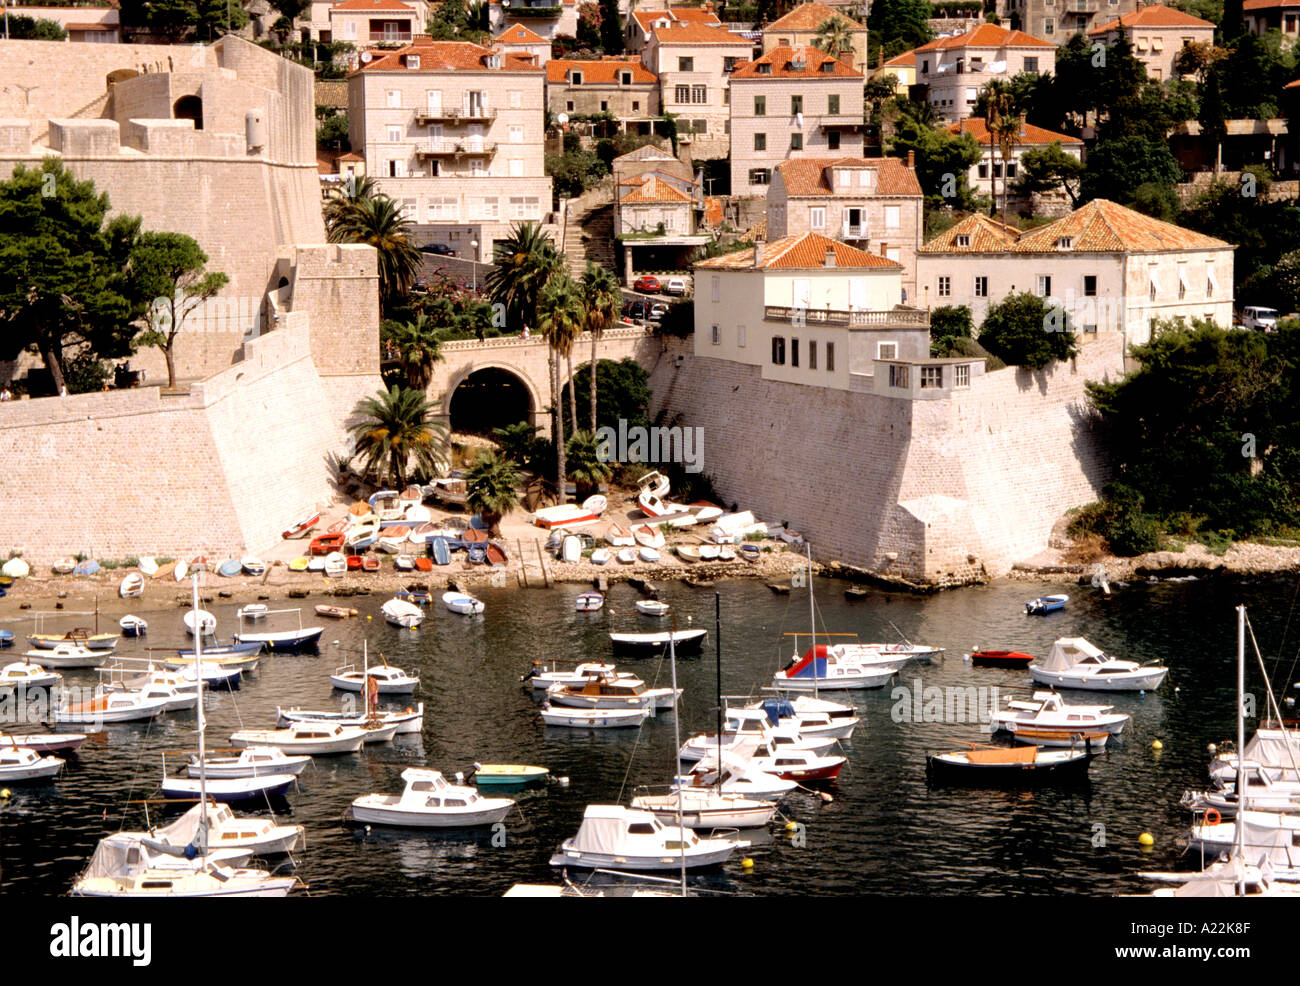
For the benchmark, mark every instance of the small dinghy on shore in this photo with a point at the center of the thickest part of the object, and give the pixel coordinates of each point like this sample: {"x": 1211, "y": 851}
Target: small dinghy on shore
{"x": 131, "y": 586}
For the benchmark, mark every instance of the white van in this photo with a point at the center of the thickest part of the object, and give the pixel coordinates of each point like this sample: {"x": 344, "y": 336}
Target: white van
{"x": 1255, "y": 317}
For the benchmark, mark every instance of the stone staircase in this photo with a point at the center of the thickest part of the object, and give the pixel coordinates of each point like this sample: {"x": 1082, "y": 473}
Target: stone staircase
{"x": 589, "y": 231}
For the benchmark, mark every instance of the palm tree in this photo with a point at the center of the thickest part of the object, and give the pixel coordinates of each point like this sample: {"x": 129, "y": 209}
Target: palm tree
{"x": 1003, "y": 123}
{"x": 491, "y": 485}
{"x": 603, "y": 299}
{"x": 560, "y": 316}
{"x": 834, "y": 36}
{"x": 350, "y": 193}
{"x": 518, "y": 442}
{"x": 586, "y": 466}
{"x": 419, "y": 346}
{"x": 378, "y": 221}
{"x": 399, "y": 428}
{"x": 523, "y": 262}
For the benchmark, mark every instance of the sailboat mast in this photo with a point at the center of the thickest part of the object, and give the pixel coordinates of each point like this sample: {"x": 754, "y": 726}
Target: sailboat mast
{"x": 1240, "y": 820}
{"x": 812, "y": 618}
{"x": 203, "y": 767}
{"x": 677, "y": 745}
{"x": 717, "y": 632}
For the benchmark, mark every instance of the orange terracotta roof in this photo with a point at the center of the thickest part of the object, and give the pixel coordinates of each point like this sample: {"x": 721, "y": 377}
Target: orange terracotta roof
{"x": 1101, "y": 226}
{"x": 809, "y": 17}
{"x": 447, "y": 56}
{"x": 1269, "y": 4}
{"x": 368, "y": 6}
{"x": 684, "y": 15}
{"x": 906, "y": 59}
{"x": 1154, "y": 16}
{"x": 988, "y": 36}
{"x": 978, "y": 128}
{"x": 697, "y": 34}
{"x": 518, "y": 34}
{"x": 809, "y": 175}
{"x": 781, "y": 59}
{"x": 712, "y": 212}
{"x": 652, "y": 188}
{"x": 802, "y": 252}
{"x": 603, "y": 72}
{"x": 985, "y": 236}
{"x": 1292, "y": 85}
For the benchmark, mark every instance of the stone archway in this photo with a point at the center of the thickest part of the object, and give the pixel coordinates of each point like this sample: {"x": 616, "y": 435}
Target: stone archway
{"x": 189, "y": 108}
{"x": 490, "y": 396}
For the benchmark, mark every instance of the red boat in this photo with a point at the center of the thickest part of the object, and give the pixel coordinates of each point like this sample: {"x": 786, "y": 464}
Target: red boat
{"x": 424, "y": 564}
{"x": 354, "y": 563}
{"x": 474, "y": 536}
{"x": 799, "y": 765}
{"x": 1000, "y": 659}
{"x": 370, "y": 564}
{"x": 302, "y": 527}
{"x": 323, "y": 544}
{"x": 496, "y": 555}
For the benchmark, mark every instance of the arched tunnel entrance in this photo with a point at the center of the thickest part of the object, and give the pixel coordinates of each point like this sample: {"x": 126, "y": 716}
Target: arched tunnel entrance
{"x": 487, "y": 399}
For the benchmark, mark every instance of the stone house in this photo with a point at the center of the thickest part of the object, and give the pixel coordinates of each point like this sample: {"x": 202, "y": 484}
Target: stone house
{"x": 1273, "y": 15}
{"x": 454, "y": 132}
{"x": 518, "y": 39}
{"x": 636, "y": 31}
{"x": 1109, "y": 268}
{"x": 902, "y": 68}
{"x": 1157, "y": 34}
{"x": 799, "y": 28}
{"x": 616, "y": 84}
{"x": 546, "y": 18}
{"x": 954, "y": 70}
{"x": 874, "y": 204}
{"x": 988, "y": 171}
{"x": 791, "y": 103}
{"x": 367, "y": 22}
{"x": 1056, "y": 21}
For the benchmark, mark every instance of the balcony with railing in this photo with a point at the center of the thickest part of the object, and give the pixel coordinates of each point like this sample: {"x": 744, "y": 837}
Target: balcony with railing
{"x": 519, "y": 8}
{"x": 456, "y": 117}
{"x": 893, "y": 318}
{"x": 455, "y": 149}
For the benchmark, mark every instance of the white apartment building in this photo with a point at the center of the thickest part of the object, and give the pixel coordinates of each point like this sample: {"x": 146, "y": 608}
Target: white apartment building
{"x": 955, "y": 69}
{"x": 454, "y": 132}
{"x": 1157, "y": 34}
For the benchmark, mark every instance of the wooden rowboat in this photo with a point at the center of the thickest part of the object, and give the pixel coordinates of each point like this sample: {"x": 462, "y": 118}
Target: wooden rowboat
{"x": 338, "y": 612}
{"x": 301, "y": 527}
{"x": 324, "y": 544}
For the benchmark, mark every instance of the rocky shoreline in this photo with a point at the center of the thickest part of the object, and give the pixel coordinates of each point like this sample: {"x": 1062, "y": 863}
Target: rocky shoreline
{"x": 1241, "y": 559}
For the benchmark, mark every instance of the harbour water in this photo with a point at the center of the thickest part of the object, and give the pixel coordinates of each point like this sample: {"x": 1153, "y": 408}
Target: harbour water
{"x": 886, "y": 831}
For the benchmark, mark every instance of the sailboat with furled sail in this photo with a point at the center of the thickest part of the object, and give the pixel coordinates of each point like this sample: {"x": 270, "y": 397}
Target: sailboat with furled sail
{"x": 124, "y": 865}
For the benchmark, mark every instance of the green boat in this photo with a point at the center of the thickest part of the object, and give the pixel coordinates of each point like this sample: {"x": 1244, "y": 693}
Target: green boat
{"x": 507, "y": 774}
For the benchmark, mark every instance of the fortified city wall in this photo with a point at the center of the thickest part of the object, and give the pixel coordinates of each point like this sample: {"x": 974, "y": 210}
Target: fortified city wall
{"x": 932, "y": 491}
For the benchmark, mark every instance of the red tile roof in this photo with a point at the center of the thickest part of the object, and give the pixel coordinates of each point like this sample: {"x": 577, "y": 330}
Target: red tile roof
{"x": 782, "y": 58}
{"x": 978, "y": 128}
{"x": 518, "y": 34}
{"x": 802, "y": 252}
{"x": 697, "y": 34}
{"x": 652, "y": 188}
{"x": 368, "y": 6}
{"x": 447, "y": 56}
{"x": 684, "y": 15}
{"x": 1101, "y": 226}
{"x": 1269, "y": 4}
{"x": 907, "y": 58}
{"x": 603, "y": 72}
{"x": 1157, "y": 15}
{"x": 809, "y": 176}
{"x": 988, "y": 36}
{"x": 809, "y": 17}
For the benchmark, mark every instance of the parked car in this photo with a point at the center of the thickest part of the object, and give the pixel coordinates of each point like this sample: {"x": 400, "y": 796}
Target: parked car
{"x": 657, "y": 311}
{"x": 648, "y": 284}
{"x": 1256, "y": 317}
{"x": 675, "y": 285}
{"x": 441, "y": 249}
{"x": 635, "y": 309}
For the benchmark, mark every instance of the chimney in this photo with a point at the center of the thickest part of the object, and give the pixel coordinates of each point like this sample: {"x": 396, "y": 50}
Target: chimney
{"x": 911, "y": 160}
{"x": 759, "y": 243}
{"x": 830, "y": 256}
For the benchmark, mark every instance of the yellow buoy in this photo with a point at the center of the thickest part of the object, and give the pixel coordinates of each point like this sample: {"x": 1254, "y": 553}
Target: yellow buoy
{"x": 1157, "y": 745}
{"x": 369, "y": 617}
{"x": 5, "y": 794}
{"x": 1146, "y": 839}
{"x": 790, "y": 826}
{"x": 747, "y": 863}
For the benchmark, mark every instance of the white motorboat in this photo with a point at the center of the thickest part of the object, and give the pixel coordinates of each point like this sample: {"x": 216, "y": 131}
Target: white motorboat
{"x": 117, "y": 706}
{"x": 832, "y": 668}
{"x": 253, "y": 611}
{"x": 612, "y": 693}
{"x": 742, "y": 729}
{"x": 203, "y": 619}
{"x": 570, "y": 718}
{"x": 131, "y": 586}
{"x": 1048, "y": 711}
{"x": 19, "y": 763}
{"x": 809, "y": 722}
{"x": 589, "y": 602}
{"x": 133, "y": 626}
{"x": 315, "y": 738}
{"x": 225, "y": 830}
{"x": 174, "y": 699}
{"x": 391, "y": 681}
{"x": 1213, "y": 836}
{"x": 543, "y": 677}
{"x": 1075, "y": 663}
{"x": 462, "y": 602}
{"x": 43, "y": 742}
{"x": 67, "y": 656}
{"x": 257, "y": 788}
{"x": 255, "y": 761}
{"x": 400, "y": 613}
{"x": 626, "y": 838}
{"x": 707, "y": 808}
{"x": 291, "y": 639}
{"x": 21, "y": 676}
{"x": 429, "y": 801}
{"x": 652, "y": 607}
{"x": 409, "y": 720}
{"x": 122, "y": 867}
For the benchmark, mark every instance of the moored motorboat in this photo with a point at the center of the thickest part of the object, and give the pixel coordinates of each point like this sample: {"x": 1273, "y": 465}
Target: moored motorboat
{"x": 133, "y": 626}
{"x": 1046, "y": 604}
{"x": 1009, "y": 765}
{"x": 835, "y": 668}
{"x": 255, "y": 761}
{"x": 429, "y": 801}
{"x": 572, "y": 718}
{"x": 1047, "y": 710}
{"x": 401, "y": 613}
{"x": 508, "y": 774}
{"x": 462, "y": 603}
{"x": 18, "y": 763}
{"x": 1075, "y": 663}
{"x": 653, "y": 643}
{"x": 225, "y": 830}
{"x": 43, "y": 742}
{"x": 406, "y": 721}
{"x": 314, "y": 738}
{"x": 67, "y": 656}
{"x": 115, "y": 706}
{"x": 651, "y": 607}
{"x": 21, "y": 676}
{"x": 589, "y": 602}
{"x": 707, "y": 808}
{"x": 626, "y": 838}
{"x": 388, "y": 680}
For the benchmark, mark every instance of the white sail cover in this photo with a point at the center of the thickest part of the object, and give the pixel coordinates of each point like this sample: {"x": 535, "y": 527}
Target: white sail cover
{"x": 603, "y": 828}
{"x": 1269, "y": 747}
{"x": 1069, "y": 651}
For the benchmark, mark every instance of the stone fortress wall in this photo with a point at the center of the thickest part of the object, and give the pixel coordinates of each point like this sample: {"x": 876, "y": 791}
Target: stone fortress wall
{"x": 938, "y": 492}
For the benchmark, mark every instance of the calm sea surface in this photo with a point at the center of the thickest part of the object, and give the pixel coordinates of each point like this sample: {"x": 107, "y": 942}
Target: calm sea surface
{"x": 886, "y": 831}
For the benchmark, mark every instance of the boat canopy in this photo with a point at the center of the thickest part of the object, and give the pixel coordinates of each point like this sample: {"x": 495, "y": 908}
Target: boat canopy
{"x": 812, "y": 664}
{"x": 604, "y": 828}
{"x": 1274, "y": 748}
{"x": 1069, "y": 651}
{"x": 778, "y": 709}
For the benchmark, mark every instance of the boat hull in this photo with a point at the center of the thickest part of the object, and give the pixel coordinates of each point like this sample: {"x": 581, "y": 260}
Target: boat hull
{"x": 373, "y": 813}
{"x": 1009, "y": 774}
{"x": 1125, "y": 681}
